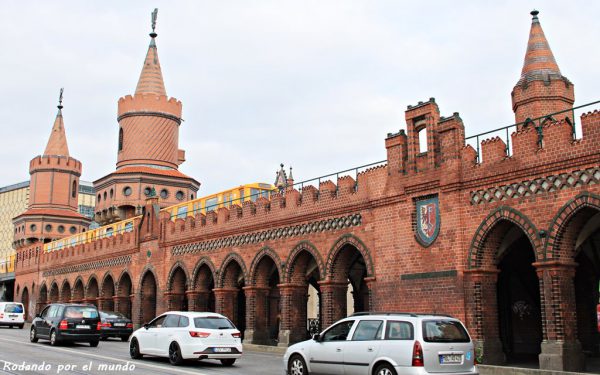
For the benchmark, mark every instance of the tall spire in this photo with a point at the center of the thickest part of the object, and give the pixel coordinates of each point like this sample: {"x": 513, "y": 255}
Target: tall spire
{"x": 151, "y": 79}
{"x": 57, "y": 144}
{"x": 539, "y": 61}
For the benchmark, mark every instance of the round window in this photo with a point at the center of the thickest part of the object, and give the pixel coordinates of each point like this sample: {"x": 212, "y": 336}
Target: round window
{"x": 33, "y": 227}
{"x": 73, "y": 230}
{"x": 180, "y": 195}
{"x": 147, "y": 190}
{"x": 61, "y": 229}
{"x": 127, "y": 191}
{"x": 48, "y": 228}
{"x": 164, "y": 193}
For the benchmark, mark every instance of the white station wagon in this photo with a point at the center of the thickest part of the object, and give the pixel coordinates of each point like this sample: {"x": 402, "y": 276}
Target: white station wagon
{"x": 181, "y": 335}
{"x": 385, "y": 344}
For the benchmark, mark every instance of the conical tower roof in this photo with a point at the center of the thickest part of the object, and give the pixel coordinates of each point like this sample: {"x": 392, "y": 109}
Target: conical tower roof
{"x": 539, "y": 61}
{"x": 151, "y": 79}
{"x": 57, "y": 144}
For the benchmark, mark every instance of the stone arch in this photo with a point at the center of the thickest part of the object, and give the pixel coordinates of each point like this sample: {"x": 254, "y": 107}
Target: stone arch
{"x": 177, "y": 285}
{"x": 43, "y": 297}
{"x": 349, "y": 239}
{"x": 296, "y": 251}
{"x": 204, "y": 261}
{"x": 124, "y": 291}
{"x": 78, "y": 293}
{"x": 92, "y": 290}
{"x": 262, "y": 253}
{"x": 107, "y": 292}
{"x": 148, "y": 290}
{"x": 232, "y": 257}
{"x": 53, "y": 294}
{"x": 25, "y": 301}
{"x": 565, "y": 217}
{"x": 124, "y": 277}
{"x": 178, "y": 265}
{"x": 477, "y": 253}
{"x": 65, "y": 291}
{"x": 148, "y": 268}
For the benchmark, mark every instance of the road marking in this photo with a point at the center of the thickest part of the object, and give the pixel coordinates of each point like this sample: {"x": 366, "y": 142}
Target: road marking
{"x": 136, "y": 363}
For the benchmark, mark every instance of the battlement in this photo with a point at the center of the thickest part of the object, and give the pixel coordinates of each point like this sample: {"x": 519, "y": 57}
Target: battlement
{"x": 141, "y": 103}
{"x": 65, "y": 163}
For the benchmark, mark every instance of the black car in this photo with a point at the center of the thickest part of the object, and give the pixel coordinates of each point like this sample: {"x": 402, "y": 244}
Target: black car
{"x": 67, "y": 322}
{"x": 115, "y": 324}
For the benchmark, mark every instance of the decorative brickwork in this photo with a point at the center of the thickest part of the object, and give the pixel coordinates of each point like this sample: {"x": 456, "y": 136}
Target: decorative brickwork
{"x": 126, "y": 259}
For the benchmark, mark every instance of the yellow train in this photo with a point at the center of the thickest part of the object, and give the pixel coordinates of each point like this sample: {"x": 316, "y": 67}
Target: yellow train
{"x": 7, "y": 264}
{"x": 248, "y": 192}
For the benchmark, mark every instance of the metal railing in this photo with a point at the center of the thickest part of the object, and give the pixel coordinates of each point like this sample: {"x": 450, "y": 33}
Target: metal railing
{"x": 504, "y": 132}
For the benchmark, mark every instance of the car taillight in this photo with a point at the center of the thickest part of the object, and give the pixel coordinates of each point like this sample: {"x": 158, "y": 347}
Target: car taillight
{"x": 63, "y": 324}
{"x": 417, "y": 357}
{"x": 201, "y": 335}
{"x": 98, "y": 326}
{"x": 129, "y": 325}
{"x": 1, "y": 316}
{"x": 237, "y": 335}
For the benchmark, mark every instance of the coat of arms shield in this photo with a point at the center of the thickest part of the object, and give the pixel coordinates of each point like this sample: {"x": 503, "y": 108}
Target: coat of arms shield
{"x": 428, "y": 220}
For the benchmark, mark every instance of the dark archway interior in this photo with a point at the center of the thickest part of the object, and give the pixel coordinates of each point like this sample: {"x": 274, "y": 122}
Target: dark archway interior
{"x": 78, "y": 291}
{"x": 178, "y": 288}
{"x": 53, "y": 297}
{"x": 25, "y": 302}
{"x": 148, "y": 294}
{"x": 108, "y": 292}
{"x": 350, "y": 266}
{"x": 519, "y": 307}
{"x": 92, "y": 291}
{"x": 65, "y": 293}
{"x": 234, "y": 278}
{"x": 205, "y": 284}
{"x": 125, "y": 292}
{"x": 267, "y": 309}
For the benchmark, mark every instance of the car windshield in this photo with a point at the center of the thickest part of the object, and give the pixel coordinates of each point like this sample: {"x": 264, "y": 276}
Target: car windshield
{"x": 13, "y": 308}
{"x": 81, "y": 312}
{"x": 213, "y": 322}
{"x": 444, "y": 331}
{"x": 111, "y": 315}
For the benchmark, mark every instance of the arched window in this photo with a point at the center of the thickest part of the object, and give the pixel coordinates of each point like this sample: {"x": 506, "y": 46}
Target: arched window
{"x": 120, "y": 139}
{"x": 74, "y": 189}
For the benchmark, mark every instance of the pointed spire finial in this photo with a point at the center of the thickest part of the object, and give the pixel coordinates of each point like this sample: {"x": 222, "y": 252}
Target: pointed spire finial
{"x": 535, "y": 13}
{"x": 60, "y": 98}
{"x": 154, "y": 16}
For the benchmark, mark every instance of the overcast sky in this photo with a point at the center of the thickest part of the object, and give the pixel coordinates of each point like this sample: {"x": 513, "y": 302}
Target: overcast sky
{"x": 312, "y": 84}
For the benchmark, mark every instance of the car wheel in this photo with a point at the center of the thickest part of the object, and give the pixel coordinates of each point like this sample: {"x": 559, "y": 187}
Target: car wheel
{"x": 297, "y": 366}
{"x": 124, "y": 338}
{"x": 228, "y": 362}
{"x": 385, "y": 369}
{"x": 175, "y": 354}
{"x": 33, "y": 335}
{"x": 53, "y": 338}
{"x": 134, "y": 349}
{"x": 93, "y": 344}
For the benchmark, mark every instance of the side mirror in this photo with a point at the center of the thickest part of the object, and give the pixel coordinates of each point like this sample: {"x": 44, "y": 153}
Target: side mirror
{"x": 316, "y": 337}
{"x": 147, "y": 325}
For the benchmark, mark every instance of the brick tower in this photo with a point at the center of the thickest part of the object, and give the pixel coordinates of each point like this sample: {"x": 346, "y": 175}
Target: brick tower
{"x": 148, "y": 153}
{"x": 542, "y": 89}
{"x": 53, "y": 193}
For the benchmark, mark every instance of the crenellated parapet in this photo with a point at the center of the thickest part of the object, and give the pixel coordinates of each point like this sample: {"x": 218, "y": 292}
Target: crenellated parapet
{"x": 55, "y": 163}
{"x": 149, "y": 103}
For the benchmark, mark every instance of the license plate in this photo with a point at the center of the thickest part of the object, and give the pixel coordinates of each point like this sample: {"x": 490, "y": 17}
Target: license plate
{"x": 119, "y": 324}
{"x": 13, "y": 316}
{"x": 81, "y": 326}
{"x": 448, "y": 359}
{"x": 222, "y": 350}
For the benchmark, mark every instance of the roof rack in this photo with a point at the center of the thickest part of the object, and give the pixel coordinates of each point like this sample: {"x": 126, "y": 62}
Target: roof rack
{"x": 363, "y": 313}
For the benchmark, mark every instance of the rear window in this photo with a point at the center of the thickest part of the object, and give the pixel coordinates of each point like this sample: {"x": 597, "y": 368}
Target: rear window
{"x": 112, "y": 315}
{"x": 81, "y": 312}
{"x": 213, "y": 322}
{"x": 13, "y": 308}
{"x": 444, "y": 331}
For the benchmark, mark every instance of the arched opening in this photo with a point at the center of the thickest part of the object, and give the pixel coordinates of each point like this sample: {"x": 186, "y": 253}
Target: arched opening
{"x": 267, "y": 311}
{"x": 120, "y": 139}
{"x": 306, "y": 301}
{"x": 42, "y": 299}
{"x": 25, "y": 302}
{"x": 65, "y": 292}
{"x": 125, "y": 292}
{"x": 178, "y": 282}
{"x": 108, "y": 292}
{"x": 54, "y": 295}
{"x": 74, "y": 190}
{"x": 234, "y": 304}
{"x": 78, "y": 291}
{"x": 148, "y": 297}
{"x": 92, "y": 291}
{"x": 422, "y": 137}
{"x": 204, "y": 285}
{"x": 518, "y": 294}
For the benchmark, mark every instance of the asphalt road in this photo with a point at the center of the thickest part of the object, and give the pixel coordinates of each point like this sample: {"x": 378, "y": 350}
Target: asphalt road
{"x": 112, "y": 357}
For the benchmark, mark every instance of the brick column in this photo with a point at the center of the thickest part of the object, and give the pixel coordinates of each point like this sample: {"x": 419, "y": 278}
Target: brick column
{"x": 192, "y": 300}
{"x": 293, "y": 313}
{"x": 174, "y": 301}
{"x": 136, "y": 309}
{"x": 225, "y": 302}
{"x": 121, "y": 304}
{"x": 561, "y": 350}
{"x": 482, "y": 314}
{"x": 104, "y": 303}
{"x": 333, "y": 300}
{"x": 256, "y": 315}
{"x": 93, "y": 301}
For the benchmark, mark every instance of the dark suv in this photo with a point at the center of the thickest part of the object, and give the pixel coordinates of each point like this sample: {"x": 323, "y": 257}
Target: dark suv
{"x": 67, "y": 322}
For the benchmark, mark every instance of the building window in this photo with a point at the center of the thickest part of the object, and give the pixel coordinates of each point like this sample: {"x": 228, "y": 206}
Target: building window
{"x": 147, "y": 190}
{"x": 164, "y": 193}
{"x": 121, "y": 139}
{"x": 73, "y": 230}
{"x": 422, "y": 140}
{"x": 180, "y": 195}
{"x": 74, "y": 190}
{"x": 33, "y": 227}
{"x": 61, "y": 229}
{"x": 112, "y": 193}
{"x": 127, "y": 191}
{"x": 99, "y": 198}
{"x": 192, "y": 196}
{"x": 104, "y": 195}
{"x": 48, "y": 228}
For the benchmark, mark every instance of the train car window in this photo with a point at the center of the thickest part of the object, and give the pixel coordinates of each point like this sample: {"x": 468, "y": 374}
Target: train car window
{"x": 129, "y": 227}
{"x": 211, "y": 204}
{"x": 182, "y": 212}
{"x": 197, "y": 207}
{"x": 226, "y": 200}
{"x": 109, "y": 232}
{"x": 253, "y": 194}
{"x": 265, "y": 194}
{"x": 241, "y": 195}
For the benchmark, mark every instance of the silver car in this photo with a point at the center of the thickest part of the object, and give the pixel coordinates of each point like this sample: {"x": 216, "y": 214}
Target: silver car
{"x": 385, "y": 344}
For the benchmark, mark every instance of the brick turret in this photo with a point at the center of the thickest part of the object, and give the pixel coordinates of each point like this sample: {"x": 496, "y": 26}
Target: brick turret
{"x": 542, "y": 89}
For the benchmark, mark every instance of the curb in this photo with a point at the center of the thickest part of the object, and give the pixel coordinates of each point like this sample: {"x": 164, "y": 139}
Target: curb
{"x": 264, "y": 348}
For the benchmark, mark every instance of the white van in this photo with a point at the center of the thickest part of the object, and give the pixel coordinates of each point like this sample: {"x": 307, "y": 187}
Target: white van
{"x": 12, "y": 314}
